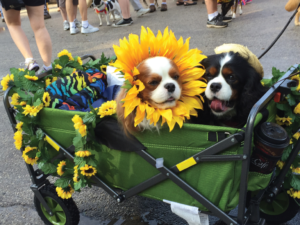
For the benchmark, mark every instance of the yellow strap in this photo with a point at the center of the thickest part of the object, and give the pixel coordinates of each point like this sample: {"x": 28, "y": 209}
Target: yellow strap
{"x": 186, "y": 164}
{"x": 52, "y": 143}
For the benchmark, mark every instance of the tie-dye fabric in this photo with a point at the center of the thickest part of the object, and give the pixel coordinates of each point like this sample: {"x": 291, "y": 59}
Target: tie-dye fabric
{"x": 63, "y": 89}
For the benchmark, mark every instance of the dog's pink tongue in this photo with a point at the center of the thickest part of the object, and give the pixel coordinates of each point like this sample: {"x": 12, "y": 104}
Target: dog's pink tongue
{"x": 217, "y": 105}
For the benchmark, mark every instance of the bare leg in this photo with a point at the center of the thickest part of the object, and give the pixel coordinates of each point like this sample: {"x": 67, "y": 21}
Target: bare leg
{"x": 83, "y": 10}
{"x": 71, "y": 10}
{"x": 211, "y": 6}
{"x": 13, "y": 22}
{"x": 124, "y": 4}
{"x": 63, "y": 12}
{"x": 42, "y": 37}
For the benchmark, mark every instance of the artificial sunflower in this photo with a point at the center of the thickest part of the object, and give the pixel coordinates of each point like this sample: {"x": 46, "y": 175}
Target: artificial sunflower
{"x": 19, "y": 126}
{"x": 15, "y": 100}
{"x": 79, "y": 125}
{"x": 296, "y": 135}
{"x": 132, "y": 52}
{"x": 79, "y": 60}
{"x": 21, "y": 69}
{"x": 297, "y": 78}
{"x": 46, "y": 99}
{"x": 88, "y": 170}
{"x": 32, "y": 110}
{"x": 18, "y": 139}
{"x": 294, "y": 193}
{"x": 47, "y": 82}
{"x": 7, "y": 81}
{"x": 296, "y": 171}
{"x": 65, "y": 193}
{"x": 76, "y": 177}
{"x": 28, "y": 160}
{"x": 103, "y": 69}
{"x": 291, "y": 141}
{"x": 287, "y": 121}
{"x": 108, "y": 108}
{"x": 61, "y": 168}
{"x": 297, "y": 109}
{"x": 65, "y": 52}
{"x": 83, "y": 153}
{"x": 33, "y": 78}
{"x": 280, "y": 164}
{"x": 57, "y": 66}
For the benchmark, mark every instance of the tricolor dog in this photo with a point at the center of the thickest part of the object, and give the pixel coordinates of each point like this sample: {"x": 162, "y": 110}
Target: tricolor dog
{"x": 110, "y": 6}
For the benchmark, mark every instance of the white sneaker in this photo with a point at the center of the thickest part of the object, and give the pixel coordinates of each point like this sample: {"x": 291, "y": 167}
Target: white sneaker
{"x": 77, "y": 23}
{"x": 66, "y": 25}
{"x": 89, "y": 29}
{"x": 117, "y": 17}
{"x": 32, "y": 65}
{"x": 74, "y": 30}
{"x": 142, "y": 12}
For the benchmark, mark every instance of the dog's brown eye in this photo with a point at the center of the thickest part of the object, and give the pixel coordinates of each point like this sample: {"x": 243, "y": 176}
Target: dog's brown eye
{"x": 176, "y": 77}
{"x": 153, "y": 83}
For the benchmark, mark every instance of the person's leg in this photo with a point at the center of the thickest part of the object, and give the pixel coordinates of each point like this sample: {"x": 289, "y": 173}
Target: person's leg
{"x": 46, "y": 11}
{"x": 215, "y": 20}
{"x": 139, "y": 8}
{"x": 63, "y": 12}
{"x": 152, "y": 6}
{"x": 71, "y": 10}
{"x": 211, "y": 6}
{"x": 83, "y": 10}
{"x": 13, "y": 22}
{"x": 164, "y": 6}
{"x": 125, "y": 8}
{"x": 42, "y": 37}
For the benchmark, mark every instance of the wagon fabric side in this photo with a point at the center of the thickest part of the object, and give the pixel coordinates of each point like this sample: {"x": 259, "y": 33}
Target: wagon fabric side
{"x": 217, "y": 181}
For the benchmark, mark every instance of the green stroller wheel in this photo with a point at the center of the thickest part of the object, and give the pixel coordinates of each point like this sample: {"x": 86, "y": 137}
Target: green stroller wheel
{"x": 65, "y": 211}
{"x": 282, "y": 209}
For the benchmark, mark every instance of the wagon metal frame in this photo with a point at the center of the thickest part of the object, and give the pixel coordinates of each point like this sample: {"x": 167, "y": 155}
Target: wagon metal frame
{"x": 251, "y": 216}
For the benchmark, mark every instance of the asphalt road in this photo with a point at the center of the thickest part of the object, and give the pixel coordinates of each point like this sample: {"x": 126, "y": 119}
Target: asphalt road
{"x": 256, "y": 28}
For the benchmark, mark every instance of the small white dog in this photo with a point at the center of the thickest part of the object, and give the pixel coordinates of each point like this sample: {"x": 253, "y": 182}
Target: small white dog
{"x": 105, "y": 8}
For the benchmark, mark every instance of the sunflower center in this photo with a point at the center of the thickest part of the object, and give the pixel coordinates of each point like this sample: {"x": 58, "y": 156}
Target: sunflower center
{"x": 89, "y": 170}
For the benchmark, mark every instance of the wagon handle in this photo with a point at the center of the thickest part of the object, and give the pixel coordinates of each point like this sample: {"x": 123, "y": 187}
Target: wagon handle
{"x": 49, "y": 72}
{"x": 248, "y": 141}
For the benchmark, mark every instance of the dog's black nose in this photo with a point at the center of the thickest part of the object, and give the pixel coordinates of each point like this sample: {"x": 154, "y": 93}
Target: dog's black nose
{"x": 170, "y": 87}
{"x": 215, "y": 87}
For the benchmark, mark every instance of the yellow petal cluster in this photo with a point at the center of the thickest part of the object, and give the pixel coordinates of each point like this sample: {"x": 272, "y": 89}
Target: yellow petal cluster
{"x": 57, "y": 66}
{"x": 88, "y": 170}
{"x": 48, "y": 81}
{"x": 107, "y": 109}
{"x": 79, "y": 60}
{"x": 5, "y": 82}
{"x": 21, "y": 69}
{"x": 65, "y": 194}
{"x": 297, "y": 109}
{"x": 280, "y": 164}
{"x": 296, "y": 171}
{"x": 18, "y": 139}
{"x": 75, "y": 177}
{"x": 65, "y": 52}
{"x": 296, "y": 135}
{"x": 15, "y": 100}
{"x": 32, "y": 110}
{"x": 19, "y": 126}
{"x": 287, "y": 121}
{"x": 28, "y": 160}
{"x": 79, "y": 125}
{"x": 46, "y": 99}
{"x": 33, "y": 78}
{"x": 61, "y": 168}
{"x": 294, "y": 193}
{"x": 297, "y": 78}
{"x": 133, "y": 51}
{"x": 83, "y": 153}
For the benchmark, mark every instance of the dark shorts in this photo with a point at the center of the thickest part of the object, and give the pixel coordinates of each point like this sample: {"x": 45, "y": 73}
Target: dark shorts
{"x": 6, "y": 4}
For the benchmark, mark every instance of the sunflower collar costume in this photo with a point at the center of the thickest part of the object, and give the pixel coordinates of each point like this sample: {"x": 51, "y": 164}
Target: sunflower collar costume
{"x": 133, "y": 51}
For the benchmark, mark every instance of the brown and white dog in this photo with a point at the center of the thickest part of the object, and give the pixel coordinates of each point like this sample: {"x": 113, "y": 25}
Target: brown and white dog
{"x": 160, "y": 76}
{"x": 106, "y": 8}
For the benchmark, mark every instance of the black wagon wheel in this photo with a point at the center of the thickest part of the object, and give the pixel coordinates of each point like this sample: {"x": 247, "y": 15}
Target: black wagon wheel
{"x": 65, "y": 211}
{"x": 282, "y": 209}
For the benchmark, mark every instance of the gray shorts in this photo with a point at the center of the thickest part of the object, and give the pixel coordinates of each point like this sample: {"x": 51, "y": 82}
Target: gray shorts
{"x": 62, "y": 3}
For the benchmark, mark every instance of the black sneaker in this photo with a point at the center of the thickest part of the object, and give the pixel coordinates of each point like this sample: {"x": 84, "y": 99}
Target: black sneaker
{"x": 226, "y": 19}
{"x": 216, "y": 22}
{"x": 123, "y": 23}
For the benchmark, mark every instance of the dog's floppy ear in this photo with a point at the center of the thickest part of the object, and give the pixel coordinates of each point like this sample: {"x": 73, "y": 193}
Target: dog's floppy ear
{"x": 128, "y": 122}
{"x": 252, "y": 92}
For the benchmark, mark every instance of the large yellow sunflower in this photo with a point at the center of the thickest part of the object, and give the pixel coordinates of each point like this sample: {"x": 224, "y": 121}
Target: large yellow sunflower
{"x": 15, "y": 100}
{"x": 132, "y": 52}
{"x": 67, "y": 53}
{"x": 61, "y": 168}
{"x": 28, "y": 160}
{"x": 32, "y": 78}
{"x": 287, "y": 121}
{"x": 79, "y": 125}
{"x": 88, "y": 170}
{"x": 32, "y": 110}
{"x": 7, "y": 81}
{"x": 108, "y": 108}
{"x": 65, "y": 193}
